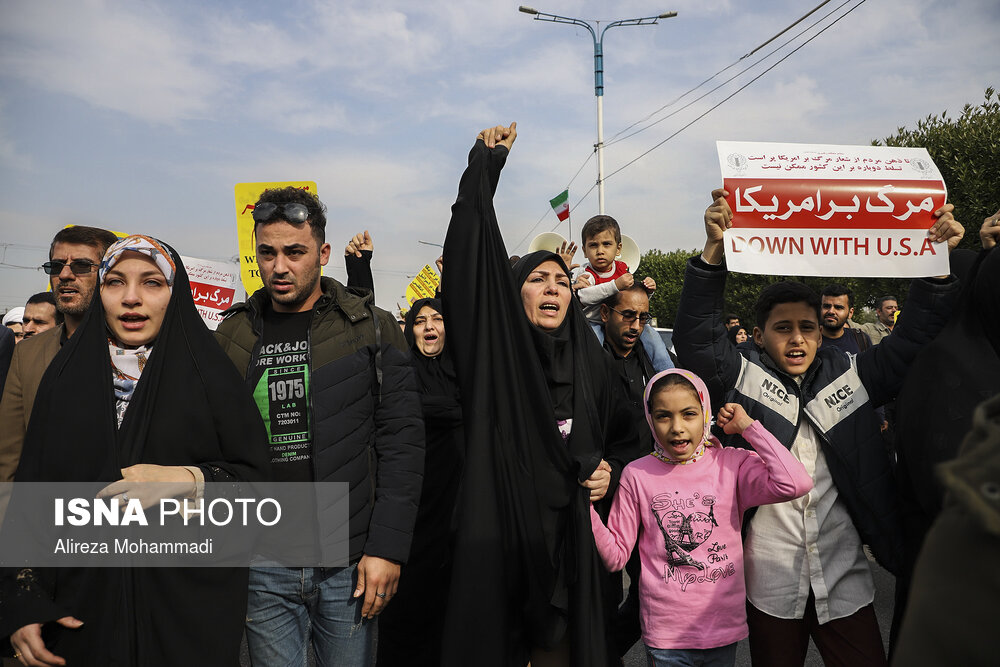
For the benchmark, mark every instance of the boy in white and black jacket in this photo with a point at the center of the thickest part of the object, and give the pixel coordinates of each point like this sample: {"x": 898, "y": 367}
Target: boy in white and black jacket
{"x": 806, "y": 572}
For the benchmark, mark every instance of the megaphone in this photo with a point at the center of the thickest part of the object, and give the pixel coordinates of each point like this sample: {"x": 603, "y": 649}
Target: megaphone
{"x": 552, "y": 241}
{"x": 630, "y": 253}
{"x": 546, "y": 241}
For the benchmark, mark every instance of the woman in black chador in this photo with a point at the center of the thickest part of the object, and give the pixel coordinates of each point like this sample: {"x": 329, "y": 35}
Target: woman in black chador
{"x": 545, "y": 435}
{"x": 409, "y": 629}
{"x": 141, "y": 392}
{"x": 953, "y": 374}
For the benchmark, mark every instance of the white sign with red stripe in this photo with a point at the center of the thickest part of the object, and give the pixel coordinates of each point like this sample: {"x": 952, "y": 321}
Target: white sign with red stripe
{"x": 215, "y": 287}
{"x": 822, "y": 210}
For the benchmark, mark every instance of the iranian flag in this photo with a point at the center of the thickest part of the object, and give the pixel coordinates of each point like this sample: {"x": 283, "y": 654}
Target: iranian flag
{"x": 561, "y": 205}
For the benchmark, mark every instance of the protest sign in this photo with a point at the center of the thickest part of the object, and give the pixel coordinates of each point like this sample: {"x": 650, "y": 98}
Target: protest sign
{"x": 246, "y": 195}
{"x": 424, "y": 285}
{"x": 215, "y": 287}
{"x": 823, "y": 210}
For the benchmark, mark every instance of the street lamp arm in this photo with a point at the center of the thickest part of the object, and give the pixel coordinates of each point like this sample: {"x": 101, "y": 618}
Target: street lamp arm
{"x": 555, "y": 18}
{"x": 646, "y": 20}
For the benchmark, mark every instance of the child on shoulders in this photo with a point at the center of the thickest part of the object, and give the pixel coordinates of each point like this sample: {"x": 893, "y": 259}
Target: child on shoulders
{"x": 602, "y": 244}
{"x": 684, "y": 503}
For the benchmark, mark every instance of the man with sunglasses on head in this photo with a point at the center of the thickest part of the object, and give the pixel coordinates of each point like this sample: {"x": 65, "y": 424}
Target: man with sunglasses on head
{"x": 352, "y": 414}
{"x": 74, "y": 257}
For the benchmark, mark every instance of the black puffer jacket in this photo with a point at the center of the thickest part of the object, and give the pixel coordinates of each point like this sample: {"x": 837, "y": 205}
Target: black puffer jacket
{"x": 373, "y": 442}
{"x": 838, "y": 394}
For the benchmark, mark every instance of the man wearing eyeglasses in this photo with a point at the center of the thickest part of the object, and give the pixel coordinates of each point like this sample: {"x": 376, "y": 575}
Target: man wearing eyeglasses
{"x": 331, "y": 376}
{"x": 74, "y": 256}
{"x": 625, "y": 315}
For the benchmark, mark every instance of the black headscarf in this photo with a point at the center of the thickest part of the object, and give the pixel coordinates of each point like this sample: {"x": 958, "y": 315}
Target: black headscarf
{"x": 410, "y": 629}
{"x": 435, "y": 375}
{"x": 190, "y": 407}
{"x": 526, "y": 572}
{"x": 555, "y": 347}
{"x": 732, "y": 333}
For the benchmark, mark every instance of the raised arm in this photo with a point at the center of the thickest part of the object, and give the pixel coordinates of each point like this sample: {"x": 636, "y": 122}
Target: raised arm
{"x": 773, "y": 475}
{"x": 699, "y": 332}
{"x": 358, "y": 261}
{"x": 478, "y": 277}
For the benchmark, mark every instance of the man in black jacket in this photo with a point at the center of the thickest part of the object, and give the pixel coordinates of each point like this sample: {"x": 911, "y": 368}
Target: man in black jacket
{"x": 806, "y": 572}
{"x": 331, "y": 376}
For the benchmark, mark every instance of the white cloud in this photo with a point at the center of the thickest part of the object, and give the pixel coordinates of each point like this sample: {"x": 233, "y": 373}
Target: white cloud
{"x": 112, "y": 57}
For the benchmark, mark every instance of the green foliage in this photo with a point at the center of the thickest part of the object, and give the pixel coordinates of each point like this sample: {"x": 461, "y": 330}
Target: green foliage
{"x": 967, "y": 151}
{"x": 667, "y": 269}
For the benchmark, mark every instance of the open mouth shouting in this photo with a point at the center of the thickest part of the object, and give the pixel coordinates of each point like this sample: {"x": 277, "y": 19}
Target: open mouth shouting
{"x": 680, "y": 446}
{"x": 795, "y": 357}
{"x": 550, "y": 308}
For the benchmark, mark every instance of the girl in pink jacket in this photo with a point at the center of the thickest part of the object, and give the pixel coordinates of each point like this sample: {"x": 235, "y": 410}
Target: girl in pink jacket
{"x": 685, "y": 503}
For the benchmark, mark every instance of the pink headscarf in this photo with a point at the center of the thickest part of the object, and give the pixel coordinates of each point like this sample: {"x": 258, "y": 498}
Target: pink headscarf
{"x": 708, "y": 439}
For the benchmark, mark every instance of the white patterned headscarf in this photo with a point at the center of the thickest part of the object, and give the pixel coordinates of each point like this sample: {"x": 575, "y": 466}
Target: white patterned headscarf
{"x": 146, "y": 245}
{"x": 127, "y": 363}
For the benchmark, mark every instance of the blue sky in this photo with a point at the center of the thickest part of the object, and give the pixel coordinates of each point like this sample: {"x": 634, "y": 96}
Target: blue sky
{"x": 141, "y": 116}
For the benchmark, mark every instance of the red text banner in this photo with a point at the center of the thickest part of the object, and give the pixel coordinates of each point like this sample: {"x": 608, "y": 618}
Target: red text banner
{"x": 821, "y": 210}
{"x": 215, "y": 287}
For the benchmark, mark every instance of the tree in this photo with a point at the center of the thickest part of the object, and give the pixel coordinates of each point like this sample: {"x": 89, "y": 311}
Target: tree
{"x": 967, "y": 152}
{"x": 667, "y": 269}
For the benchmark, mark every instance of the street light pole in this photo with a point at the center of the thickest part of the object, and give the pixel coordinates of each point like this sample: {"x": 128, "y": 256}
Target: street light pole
{"x": 598, "y": 73}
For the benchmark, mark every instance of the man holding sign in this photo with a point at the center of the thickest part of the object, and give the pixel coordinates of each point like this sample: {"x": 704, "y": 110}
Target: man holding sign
{"x": 806, "y": 572}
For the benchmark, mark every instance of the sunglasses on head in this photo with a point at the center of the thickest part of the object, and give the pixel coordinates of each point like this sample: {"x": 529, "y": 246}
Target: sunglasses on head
{"x": 631, "y": 315}
{"x": 290, "y": 211}
{"x": 80, "y": 267}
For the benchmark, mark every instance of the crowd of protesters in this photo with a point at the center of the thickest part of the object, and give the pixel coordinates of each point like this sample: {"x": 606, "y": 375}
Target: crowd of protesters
{"x": 522, "y": 440}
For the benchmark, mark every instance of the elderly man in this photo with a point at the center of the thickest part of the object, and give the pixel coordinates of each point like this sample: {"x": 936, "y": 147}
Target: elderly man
{"x": 74, "y": 256}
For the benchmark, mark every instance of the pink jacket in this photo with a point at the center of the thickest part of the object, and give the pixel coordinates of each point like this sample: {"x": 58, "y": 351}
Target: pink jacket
{"x": 687, "y": 519}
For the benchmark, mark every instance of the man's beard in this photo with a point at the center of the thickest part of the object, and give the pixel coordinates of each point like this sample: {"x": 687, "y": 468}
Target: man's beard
{"x": 75, "y": 310}
{"x": 833, "y": 328}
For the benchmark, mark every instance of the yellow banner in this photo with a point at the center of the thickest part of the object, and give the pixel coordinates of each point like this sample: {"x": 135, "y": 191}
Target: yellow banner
{"x": 247, "y": 195}
{"x": 424, "y": 285}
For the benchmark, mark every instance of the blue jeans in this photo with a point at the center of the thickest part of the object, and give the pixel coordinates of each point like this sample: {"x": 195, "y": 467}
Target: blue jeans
{"x": 723, "y": 656}
{"x": 289, "y": 606}
{"x": 651, "y": 342}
